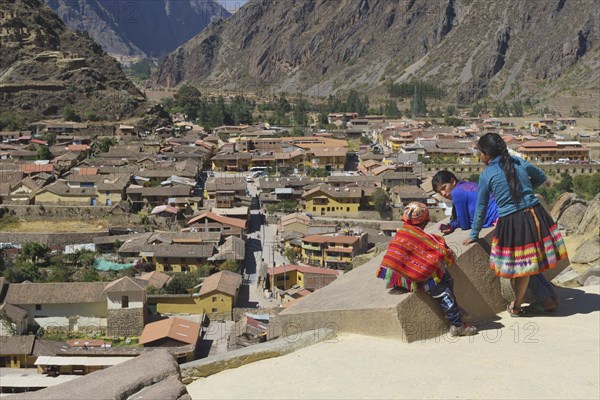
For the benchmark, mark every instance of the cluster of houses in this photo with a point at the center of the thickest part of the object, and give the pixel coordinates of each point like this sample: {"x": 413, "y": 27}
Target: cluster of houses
{"x": 187, "y": 181}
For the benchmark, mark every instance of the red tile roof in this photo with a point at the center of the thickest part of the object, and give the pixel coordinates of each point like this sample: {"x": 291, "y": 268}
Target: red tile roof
{"x": 31, "y": 168}
{"x": 219, "y": 218}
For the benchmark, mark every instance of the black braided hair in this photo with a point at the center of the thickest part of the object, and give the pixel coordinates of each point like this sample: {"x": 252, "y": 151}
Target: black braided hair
{"x": 442, "y": 177}
{"x": 493, "y": 145}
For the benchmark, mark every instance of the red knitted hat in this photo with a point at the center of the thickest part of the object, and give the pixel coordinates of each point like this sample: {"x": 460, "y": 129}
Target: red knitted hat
{"x": 415, "y": 213}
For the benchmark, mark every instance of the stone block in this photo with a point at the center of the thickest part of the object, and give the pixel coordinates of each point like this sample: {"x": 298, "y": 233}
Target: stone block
{"x": 588, "y": 251}
{"x": 566, "y": 275}
{"x": 168, "y": 389}
{"x": 592, "y": 281}
{"x": 590, "y": 223}
{"x": 594, "y": 271}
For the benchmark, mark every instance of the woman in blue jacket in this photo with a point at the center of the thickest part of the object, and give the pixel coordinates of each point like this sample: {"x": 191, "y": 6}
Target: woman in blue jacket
{"x": 526, "y": 240}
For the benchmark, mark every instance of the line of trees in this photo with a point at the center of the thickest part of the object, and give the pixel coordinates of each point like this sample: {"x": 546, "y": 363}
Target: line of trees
{"x": 210, "y": 113}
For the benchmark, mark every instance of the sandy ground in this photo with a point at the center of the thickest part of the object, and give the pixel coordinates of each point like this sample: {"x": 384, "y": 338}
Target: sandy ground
{"x": 546, "y": 357}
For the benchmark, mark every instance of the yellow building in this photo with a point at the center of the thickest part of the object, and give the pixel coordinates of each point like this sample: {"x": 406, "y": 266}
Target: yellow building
{"x": 550, "y": 151}
{"x": 60, "y": 192}
{"x": 326, "y": 199}
{"x": 332, "y": 251}
{"x": 296, "y": 222}
{"x": 233, "y": 161}
{"x": 329, "y": 158}
{"x": 111, "y": 192}
{"x": 310, "y": 278}
{"x": 17, "y": 352}
{"x": 178, "y": 257}
{"x": 217, "y": 296}
{"x": 321, "y": 152}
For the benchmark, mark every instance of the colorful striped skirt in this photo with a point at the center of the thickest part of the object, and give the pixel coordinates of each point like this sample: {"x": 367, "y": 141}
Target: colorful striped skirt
{"x": 526, "y": 242}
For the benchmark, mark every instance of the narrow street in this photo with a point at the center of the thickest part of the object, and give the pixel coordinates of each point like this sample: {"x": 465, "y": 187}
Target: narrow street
{"x": 261, "y": 252}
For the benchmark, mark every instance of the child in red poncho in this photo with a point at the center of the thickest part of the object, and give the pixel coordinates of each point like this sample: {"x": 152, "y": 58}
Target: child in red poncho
{"x": 417, "y": 261}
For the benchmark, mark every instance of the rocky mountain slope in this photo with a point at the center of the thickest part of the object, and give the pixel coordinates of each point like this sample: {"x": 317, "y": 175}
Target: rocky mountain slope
{"x": 138, "y": 28}
{"x": 473, "y": 48}
{"x": 44, "y": 66}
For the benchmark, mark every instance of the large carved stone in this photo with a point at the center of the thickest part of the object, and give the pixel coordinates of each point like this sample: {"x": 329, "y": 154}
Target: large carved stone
{"x": 590, "y": 223}
{"x": 154, "y": 375}
{"x": 572, "y": 216}
{"x": 588, "y": 251}
{"x": 564, "y": 201}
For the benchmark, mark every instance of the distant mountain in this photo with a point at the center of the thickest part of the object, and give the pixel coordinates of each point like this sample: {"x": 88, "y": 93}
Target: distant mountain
{"x": 139, "y": 28}
{"x": 45, "y": 66}
{"x": 472, "y": 48}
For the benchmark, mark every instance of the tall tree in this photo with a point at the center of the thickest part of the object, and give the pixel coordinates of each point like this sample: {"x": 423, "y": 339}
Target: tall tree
{"x": 187, "y": 100}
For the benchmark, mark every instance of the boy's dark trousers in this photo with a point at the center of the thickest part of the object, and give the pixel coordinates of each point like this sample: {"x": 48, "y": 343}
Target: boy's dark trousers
{"x": 443, "y": 292}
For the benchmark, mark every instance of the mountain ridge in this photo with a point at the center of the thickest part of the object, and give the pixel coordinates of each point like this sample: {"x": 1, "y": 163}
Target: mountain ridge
{"x": 473, "y": 48}
{"x": 135, "y": 29}
{"x": 45, "y": 67}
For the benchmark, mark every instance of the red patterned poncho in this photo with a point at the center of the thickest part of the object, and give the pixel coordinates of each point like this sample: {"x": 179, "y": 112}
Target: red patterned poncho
{"x": 415, "y": 260}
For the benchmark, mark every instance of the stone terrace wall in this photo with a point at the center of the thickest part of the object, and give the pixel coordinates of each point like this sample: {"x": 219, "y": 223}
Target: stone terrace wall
{"x": 125, "y": 322}
{"x": 51, "y": 239}
{"x": 29, "y": 212}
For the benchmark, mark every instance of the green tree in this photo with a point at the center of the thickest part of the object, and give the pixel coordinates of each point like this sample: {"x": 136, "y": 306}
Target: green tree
{"x": 475, "y": 110}
{"x": 216, "y": 112}
{"x": 381, "y": 200}
{"x": 417, "y": 104}
{"x": 391, "y": 109}
{"x": 291, "y": 254}
{"x": 61, "y": 273}
{"x": 22, "y": 271}
{"x": 300, "y": 110}
{"x": 240, "y": 110}
{"x": 50, "y": 138}
{"x": 587, "y": 186}
{"x": 230, "y": 265}
{"x": 282, "y": 107}
{"x": 8, "y": 121}
{"x": 566, "y": 183}
{"x": 34, "y": 252}
{"x": 181, "y": 282}
{"x": 91, "y": 275}
{"x": 187, "y": 101}
{"x": 43, "y": 153}
{"x": 453, "y": 121}
{"x": 517, "y": 109}
{"x": 91, "y": 116}
{"x": 69, "y": 114}
{"x": 105, "y": 144}
{"x": 206, "y": 269}
{"x": 317, "y": 172}
{"x": 451, "y": 110}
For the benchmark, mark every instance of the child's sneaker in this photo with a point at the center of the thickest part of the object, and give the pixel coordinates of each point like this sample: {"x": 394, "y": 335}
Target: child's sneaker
{"x": 463, "y": 330}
